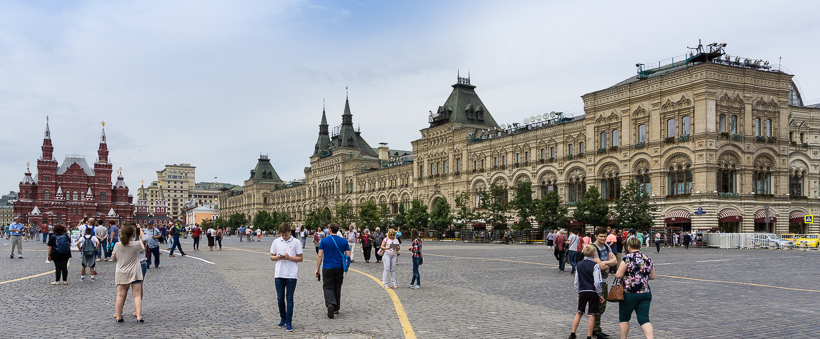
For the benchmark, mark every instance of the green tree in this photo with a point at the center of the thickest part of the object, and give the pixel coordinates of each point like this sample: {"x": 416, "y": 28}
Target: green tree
{"x": 440, "y": 218}
{"x": 206, "y": 224}
{"x": 313, "y": 220}
{"x": 263, "y": 220}
{"x": 237, "y": 219}
{"x": 384, "y": 213}
{"x": 464, "y": 214}
{"x": 633, "y": 209}
{"x": 219, "y": 222}
{"x": 592, "y": 209}
{"x": 494, "y": 202}
{"x": 369, "y": 216}
{"x": 417, "y": 215}
{"x": 400, "y": 219}
{"x": 344, "y": 215}
{"x": 523, "y": 204}
{"x": 550, "y": 212}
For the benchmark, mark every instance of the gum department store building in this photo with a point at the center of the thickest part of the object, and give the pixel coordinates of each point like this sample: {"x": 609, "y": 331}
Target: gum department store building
{"x": 717, "y": 141}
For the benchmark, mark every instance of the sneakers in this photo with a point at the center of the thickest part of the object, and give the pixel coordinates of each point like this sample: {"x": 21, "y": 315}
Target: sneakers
{"x": 82, "y": 278}
{"x": 20, "y": 257}
{"x": 416, "y": 287}
{"x": 55, "y": 283}
{"x": 282, "y": 323}
{"x": 65, "y": 282}
{"x": 184, "y": 254}
{"x": 572, "y": 336}
{"x": 93, "y": 278}
{"x": 330, "y": 311}
{"x": 288, "y": 327}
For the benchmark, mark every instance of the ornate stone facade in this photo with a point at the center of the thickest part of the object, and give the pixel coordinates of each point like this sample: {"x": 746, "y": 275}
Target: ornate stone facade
{"x": 713, "y": 141}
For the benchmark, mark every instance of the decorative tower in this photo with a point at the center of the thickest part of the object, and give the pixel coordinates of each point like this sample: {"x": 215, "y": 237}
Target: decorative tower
{"x": 323, "y": 143}
{"x": 46, "y": 170}
{"x": 141, "y": 208}
{"x": 349, "y": 138}
{"x": 160, "y": 205}
{"x": 102, "y": 173}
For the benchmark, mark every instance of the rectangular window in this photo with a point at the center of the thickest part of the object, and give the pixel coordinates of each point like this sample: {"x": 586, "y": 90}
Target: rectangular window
{"x": 543, "y": 154}
{"x": 802, "y": 137}
{"x": 517, "y": 158}
{"x": 670, "y": 128}
{"x": 475, "y": 165}
{"x": 791, "y": 136}
{"x": 580, "y": 148}
{"x": 526, "y": 156}
{"x": 458, "y": 165}
{"x": 569, "y": 149}
{"x": 482, "y": 163}
{"x": 603, "y": 139}
{"x": 503, "y": 159}
{"x": 642, "y": 133}
{"x": 722, "y": 123}
{"x": 687, "y": 126}
{"x": 616, "y": 138}
{"x": 768, "y": 127}
{"x": 756, "y": 127}
{"x": 495, "y": 161}
{"x": 734, "y": 124}
{"x": 552, "y": 152}
{"x": 444, "y": 167}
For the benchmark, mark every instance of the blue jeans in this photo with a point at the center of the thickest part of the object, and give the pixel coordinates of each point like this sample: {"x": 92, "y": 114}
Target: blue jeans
{"x": 416, "y": 276}
{"x": 45, "y": 237}
{"x": 177, "y": 245}
{"x": 104, "y": 249}
{"x": 144, "y": 266}
{"x": 155, "y": 252}
{"x": 573, "y": 259}
{"x": 284, "y": 291}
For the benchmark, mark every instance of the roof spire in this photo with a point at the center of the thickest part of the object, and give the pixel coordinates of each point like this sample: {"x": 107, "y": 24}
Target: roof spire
{"x": 48, "y": 132}
{"x": 347, "y": 93}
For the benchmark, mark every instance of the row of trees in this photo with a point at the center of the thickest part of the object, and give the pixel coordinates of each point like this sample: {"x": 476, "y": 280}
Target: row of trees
{"x": 631, "y": 210}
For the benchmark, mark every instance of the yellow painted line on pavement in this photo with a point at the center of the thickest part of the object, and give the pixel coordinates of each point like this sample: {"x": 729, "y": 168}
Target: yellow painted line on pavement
{"x": 31, "y": 276}
{"x": 665, "y": 276}
{"x": 406, "y": 327}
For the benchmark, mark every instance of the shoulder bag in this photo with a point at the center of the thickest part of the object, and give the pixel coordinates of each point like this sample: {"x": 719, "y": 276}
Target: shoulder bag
{"x": 345, "y": 257}
{"x": 616, "y": 293}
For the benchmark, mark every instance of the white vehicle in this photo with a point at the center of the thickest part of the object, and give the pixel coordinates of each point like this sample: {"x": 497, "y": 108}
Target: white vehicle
{"x": 771, "y": 239}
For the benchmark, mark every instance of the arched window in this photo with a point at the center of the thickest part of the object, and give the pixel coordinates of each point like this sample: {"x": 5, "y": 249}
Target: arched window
{"x": 670, "y": 128}
{"x": 680, "y": 180}
{"x": 727, "y": 179}
{"x": 762, "y": 180}
{"x": 548, "y": 186}
{"x": 75, "y": 196}
{"x": 796, "y": 185}
{"x": 611, "y": 186}
{"x": 576, "y": 189}
{"x": 643, "y": 179}
{"x": 46, "y": 194}
{"x": 102, "y": 196}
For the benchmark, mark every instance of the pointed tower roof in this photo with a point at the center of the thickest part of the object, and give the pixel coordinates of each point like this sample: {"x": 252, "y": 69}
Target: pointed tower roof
{"x": 348, "y": 137}
{"x": 89, "y": 196}
{"x": 159, "y": 191}
{"x": 323, "y": 142}
{"x": 27, "y": 179}
{"x": 463, "y": 106}
{"x": 120, "y": 180}
{"x": 102, "y": 135}
{"x": 35, "y": 211}
{"x": 111, "y": 213}
{"x": 59, "y": 195}
{"x": 47, "y": 134}
{"x": 264, "y": 171}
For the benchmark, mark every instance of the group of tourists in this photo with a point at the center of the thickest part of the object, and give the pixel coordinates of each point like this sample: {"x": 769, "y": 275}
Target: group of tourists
{"x": 335, "y": 250}
{"x": 592, "y": 260}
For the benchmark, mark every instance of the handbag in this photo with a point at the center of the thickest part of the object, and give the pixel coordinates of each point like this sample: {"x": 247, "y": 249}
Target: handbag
{"x": 616, "y": 293}
{"x": 421, "y": 261}
{"x": 345, "y": 257}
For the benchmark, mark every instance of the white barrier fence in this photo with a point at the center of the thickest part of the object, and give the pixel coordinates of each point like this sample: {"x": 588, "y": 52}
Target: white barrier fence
{"x": 738, "y": 240}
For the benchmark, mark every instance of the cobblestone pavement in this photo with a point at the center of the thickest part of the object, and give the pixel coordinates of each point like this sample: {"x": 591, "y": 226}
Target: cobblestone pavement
{"x": 468, "y": 291}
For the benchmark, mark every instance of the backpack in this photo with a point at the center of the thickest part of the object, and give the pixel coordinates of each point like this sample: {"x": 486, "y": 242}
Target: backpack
{"x": 63, "y": 244}
{"x": 89, "y": 248}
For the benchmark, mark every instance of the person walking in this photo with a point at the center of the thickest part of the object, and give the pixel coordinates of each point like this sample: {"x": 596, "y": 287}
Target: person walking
{"x": 590, "y": 292}
{"x": 258, "y": 235}
{"x": 415, "y": 249}
{"x": 636, "y": 269}
{"x": 317, "y": 238}
{"x": 366, "y": 242}
{"x": 303, "y": 233}
{"x": 102, "y": 235}
{"x": 176, "y": 232}
{"x": 572, "y": 251}
{"x": 88, "y": 245}
{"x": 550, "y": 239}
{"x": 211, "y": 235}
{"x": 286, "y": 251}
{"x": 390, "y": 249}
{"x": 220, "y": 233}
{"x": 248, "y": 232}
{"x": 59, "y": 252}
{"x": 155, "y": 235}
{"x": 658, "y": 242}
{"x": 16, "y": 230}
{"x": 196, "y": 234}
{"x": 352, "y": 237}
{"x": 44, "y": 232}
{"x": 560, "y": 250}
{"x": 686, "y": 240}
{"x": 330, "y": 260}
{"x": 605, "y": 259}
{"x": 128, "y": 273}
{"x": 378, "y": 239}
{"x": 114, "y": 236}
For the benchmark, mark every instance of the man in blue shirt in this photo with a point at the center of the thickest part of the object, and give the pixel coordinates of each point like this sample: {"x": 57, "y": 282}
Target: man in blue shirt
{"x": 330, "y": 260}
{"x": 176, "y": 232}
{"x": 16, "y": 237}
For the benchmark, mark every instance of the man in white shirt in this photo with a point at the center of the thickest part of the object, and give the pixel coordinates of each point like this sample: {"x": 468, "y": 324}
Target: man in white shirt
{"x": 352, "y": 236}
{"x": 286, "y": 251}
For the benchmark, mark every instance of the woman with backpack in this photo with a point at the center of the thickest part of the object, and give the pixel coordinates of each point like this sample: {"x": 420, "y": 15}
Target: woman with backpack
{"x": 128, "y": 272}
{"x": 59, "y": 251}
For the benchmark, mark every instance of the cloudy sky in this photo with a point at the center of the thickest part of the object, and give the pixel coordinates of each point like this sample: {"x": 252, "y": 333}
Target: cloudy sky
{"x": 216, "y": 83}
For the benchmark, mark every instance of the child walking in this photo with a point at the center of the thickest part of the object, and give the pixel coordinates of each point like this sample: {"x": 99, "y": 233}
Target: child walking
{"x": 588, "y": 287}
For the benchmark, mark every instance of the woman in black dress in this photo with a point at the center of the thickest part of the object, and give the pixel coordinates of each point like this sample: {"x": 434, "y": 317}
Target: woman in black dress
{"x": 59, "y": 251}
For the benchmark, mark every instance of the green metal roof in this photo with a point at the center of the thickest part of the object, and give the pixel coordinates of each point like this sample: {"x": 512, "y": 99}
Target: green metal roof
{"x": 463, "y": 106}
{"x": 264, "y": 171}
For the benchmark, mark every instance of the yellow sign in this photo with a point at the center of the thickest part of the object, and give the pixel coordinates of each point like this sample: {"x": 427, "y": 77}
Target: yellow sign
{"x": 808, "y": 219}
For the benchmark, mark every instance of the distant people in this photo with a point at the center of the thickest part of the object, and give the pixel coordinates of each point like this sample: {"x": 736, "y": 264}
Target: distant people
{"x": 44, "y": 232}
{"x": 303, "y": 233}
{"x": 196, "y": 234}
{"x": 366, "y": 242}
{"x": 572, "y": 251}
{"x": 16, "y": 234}
{"x": 687, "y": 238}
{"x": 248, "y": 232}
{"x": 658, "y": 242}
{"x": 220, "y": 233}
{"x": 415, "y": 249}
{"x": 102, "y": 235}
{"x": 352, "y": 237}
{"x": 317, "y": 238}
{"x": 211, "y": 235}
{"x": 155, "y": 236}
{"x": 390, "y": 249}
{"x": 550, "y": 239}
{"x": 378, "y": 239}
{"x": 560, "y": 249}
{"x": 114, "y": 235}
{"x": 59, "y": 252}
{"x": 636, "y": 269}
{"x": 176, "y": 232}
{"x": 88, "y": 244}
{"x": 286, "y": 251}
{"x": 589, "y": 289}
{"x": 128, "y": 273}
{"x": 605, "y": 259}
{"x": 330, "y": 260}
